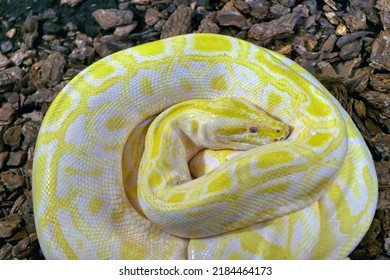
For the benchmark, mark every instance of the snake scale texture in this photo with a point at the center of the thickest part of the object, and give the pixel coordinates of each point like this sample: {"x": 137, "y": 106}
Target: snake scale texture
{"x": 200, "y": 146}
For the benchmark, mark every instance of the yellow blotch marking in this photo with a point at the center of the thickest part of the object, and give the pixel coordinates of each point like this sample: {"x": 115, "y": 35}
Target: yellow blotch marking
{"x": 318, "y": 108}
{"x": 60, "y": 106}
{"x": 185, "y": 85}
{"x": 154, "y": 179}
{"x": 73, "y": 171}
{"x": 224, "y": 183}
{"x": 194, "y": 126}
{"x": 133, "y": 250}
{"x": 157, "y": 48}
{"x": 115, "y": 123}
{"x": 146, "y": 87}
{"x": 104, "y": 70}
{"x": 176, "y": 197}
{"x": 220, "y": 45}
{"x": 218, "y": 83}
{"x": 319, "y": 139}
{"x": 275, "y": 99}
{"x": 95, "y": 205}
{"x": 280, "y": 157}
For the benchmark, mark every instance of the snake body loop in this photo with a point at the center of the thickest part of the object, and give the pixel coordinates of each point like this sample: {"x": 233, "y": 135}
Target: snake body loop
{"x": 112, "y": 179}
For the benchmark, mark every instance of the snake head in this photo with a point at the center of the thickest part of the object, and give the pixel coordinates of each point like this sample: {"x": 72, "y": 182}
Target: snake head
{"x": 244, "y": 126}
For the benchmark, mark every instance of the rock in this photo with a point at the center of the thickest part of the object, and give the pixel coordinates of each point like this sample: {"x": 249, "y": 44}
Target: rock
{"x": 25, "y": 246}
{"x": 376, "y": 99}
{"x": 383, "y": 173}
{"x": 360, "y": 108}
{"x": 30, "y": 31}
{"x": 9, "y": 77}
{"x": 52, "y": 69}
{"x": 341, "y": 30}
{"x": 6, "y": 46}
{"x": 42, "y": 95}
{"x": 125, "y": 30}
{"x": 279, "y": 10}
{"x": 18, "y": 57}
{"x": 71, "y": 3}
{"x": 384, "y": 199}
{"x": 350, "y": 50}
{"x": 287, "y": 3}
{"x": 30, "y": 133}
{"x": 280, "y": 26}
{"x": 380, "y": 50}
{"x": 12, "y": 136}
{"x": 381, "y": 143}
{"x": 4, "y": 61}
{"x": 8, "y": 227}
{"x": 242, "y": 6}
{"x": 230, "y": 16}
{"x": 359, "y": 80}
{"x": 140, "y": 2}
{"x": 384, "y": 11}
{"x": 112, "y": 18}
{"x": 11, "y": 33}
{"x": 83, "y": 55}
{"x": 348, "y": 38}
{"x": 207, "y": 25}
{"x": 385, "y": 18}
{"x": 386, "y": 246}
{"x": 159, "y": 25}
{"x": 6, "y": 114}
{"x": 6, "y": 252}
{"x": 3, "y": 159}
{"x": 17, "y": 159}
{"x": 345, "y": 68}
{"x": 380, "y": 82}
{"x": 11, "y": 180}
{"x": 152, "y": 16}
{"x": 82, "y": 40}
{"x": 259, "y": 8}
{"x": 178, "y": 23}
{"x": 355, "y": 20}
{"x": 329, "y": 43}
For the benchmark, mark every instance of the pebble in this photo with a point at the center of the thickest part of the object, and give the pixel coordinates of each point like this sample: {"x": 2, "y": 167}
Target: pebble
{"x": 125, "y": 30}
{"x": 16, "y": 159}
{"x": 178, "y": 23}
{"x": 109, "y": 18}
{"x": 6, "y": 114}
{"x": 381, "y": 143}
{"x": 25, "y": 246}
{"x": 152, "y": 16}
{"x": 230, "y": 16}
{"x": 283, "y": 25}
{"x": 8, "y": 227}
{"x": 12, "y": 136}
{"x": 380, "y": 50}
{"x": 71, "y": 3}
{"x": 383, "y": 173}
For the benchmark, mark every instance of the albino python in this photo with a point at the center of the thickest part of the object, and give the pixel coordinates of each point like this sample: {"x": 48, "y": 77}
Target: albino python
{"x": 200, "y": 146}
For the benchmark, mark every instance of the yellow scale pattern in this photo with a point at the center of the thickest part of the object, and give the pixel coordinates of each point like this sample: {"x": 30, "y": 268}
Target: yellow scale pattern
{"x": 90, "y": 146}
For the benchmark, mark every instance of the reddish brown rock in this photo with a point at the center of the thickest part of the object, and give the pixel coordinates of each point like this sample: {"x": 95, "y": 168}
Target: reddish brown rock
{"x": 178, "y": 23}
{"x": 280, "y": 26}
{"x": 112, "y": 18}
{"x": 230, "y": 16}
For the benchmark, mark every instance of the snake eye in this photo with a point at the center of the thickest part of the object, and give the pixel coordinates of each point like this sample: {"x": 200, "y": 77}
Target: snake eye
{"x": 277, "y": 130}
{"x": 253, "y": 129}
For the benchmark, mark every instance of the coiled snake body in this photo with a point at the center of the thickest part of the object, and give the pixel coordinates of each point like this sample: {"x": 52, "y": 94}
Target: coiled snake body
{"x": 135, "y": 160}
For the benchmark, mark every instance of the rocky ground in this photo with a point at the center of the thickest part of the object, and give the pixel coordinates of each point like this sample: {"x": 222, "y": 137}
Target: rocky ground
{"x": 43, "y": 44}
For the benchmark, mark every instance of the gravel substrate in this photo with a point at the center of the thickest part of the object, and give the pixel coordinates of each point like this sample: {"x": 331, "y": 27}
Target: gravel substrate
{"x": 44, "y": 44}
